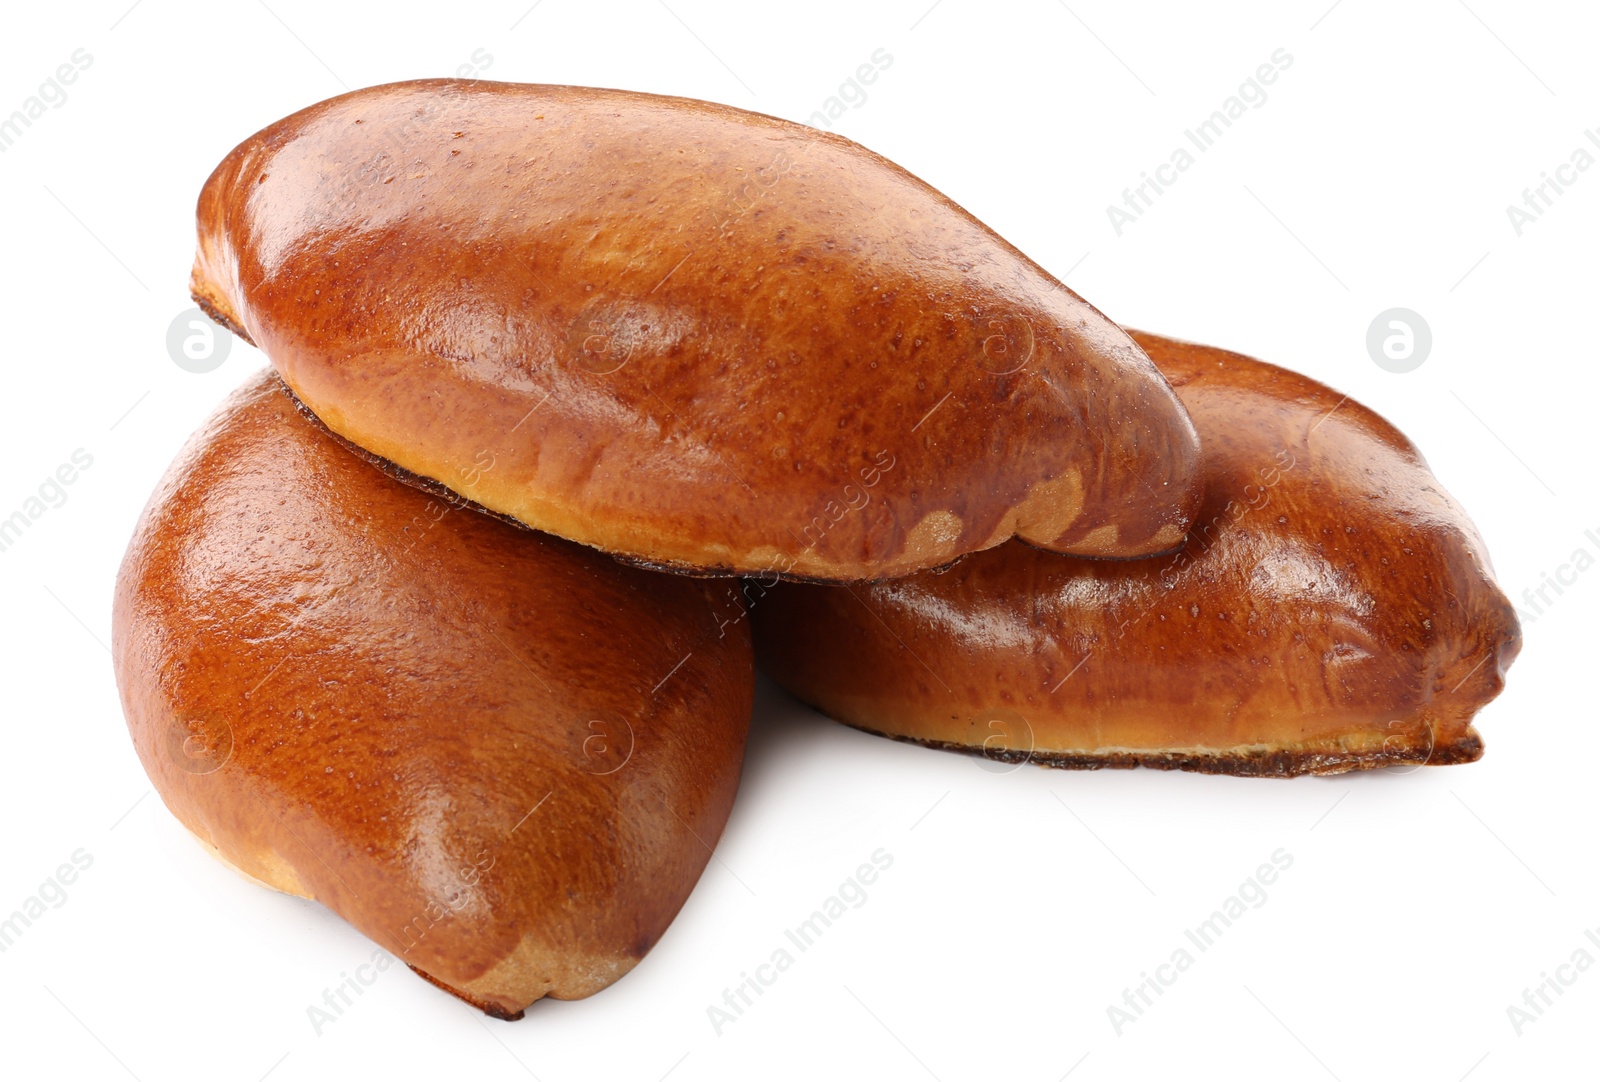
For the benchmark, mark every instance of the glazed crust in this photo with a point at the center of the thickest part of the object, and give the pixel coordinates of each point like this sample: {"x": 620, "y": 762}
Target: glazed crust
{"x": 700, "y": 338}
{"x": 499, "y": 755}
{"x": 1332, "y": 610}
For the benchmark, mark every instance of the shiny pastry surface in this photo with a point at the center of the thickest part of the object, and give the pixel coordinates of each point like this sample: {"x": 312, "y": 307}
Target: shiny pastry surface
{"x": 690, "y": 335}
{"x": 499, "y": 755}
{"x": 1333, "y": 608}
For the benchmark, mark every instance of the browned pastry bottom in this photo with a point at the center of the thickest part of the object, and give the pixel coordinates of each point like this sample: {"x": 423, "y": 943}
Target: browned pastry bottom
{"x": 220, "y": 316}
{"x": 487, "y": 1006}
{"x": 1275, "y": 763}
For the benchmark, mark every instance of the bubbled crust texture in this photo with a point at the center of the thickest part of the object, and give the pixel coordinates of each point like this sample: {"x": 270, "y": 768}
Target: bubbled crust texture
{"x": 402, "y": 684}
{"x": 1332, "y": 609}
{"x": 690, "y": 335}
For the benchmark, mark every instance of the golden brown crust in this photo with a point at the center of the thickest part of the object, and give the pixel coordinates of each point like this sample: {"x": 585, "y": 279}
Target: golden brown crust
{"x": 697, "y": 337}
{"x": 492, "y": 751}
{"x": 1332, "y": 610}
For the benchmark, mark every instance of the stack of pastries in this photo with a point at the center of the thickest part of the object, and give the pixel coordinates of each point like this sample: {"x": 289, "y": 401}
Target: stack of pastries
{"x": 583, "y": 403}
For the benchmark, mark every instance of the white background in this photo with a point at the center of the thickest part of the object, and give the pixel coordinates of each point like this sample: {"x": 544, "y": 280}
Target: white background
{"x": 1019, "y": 906}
